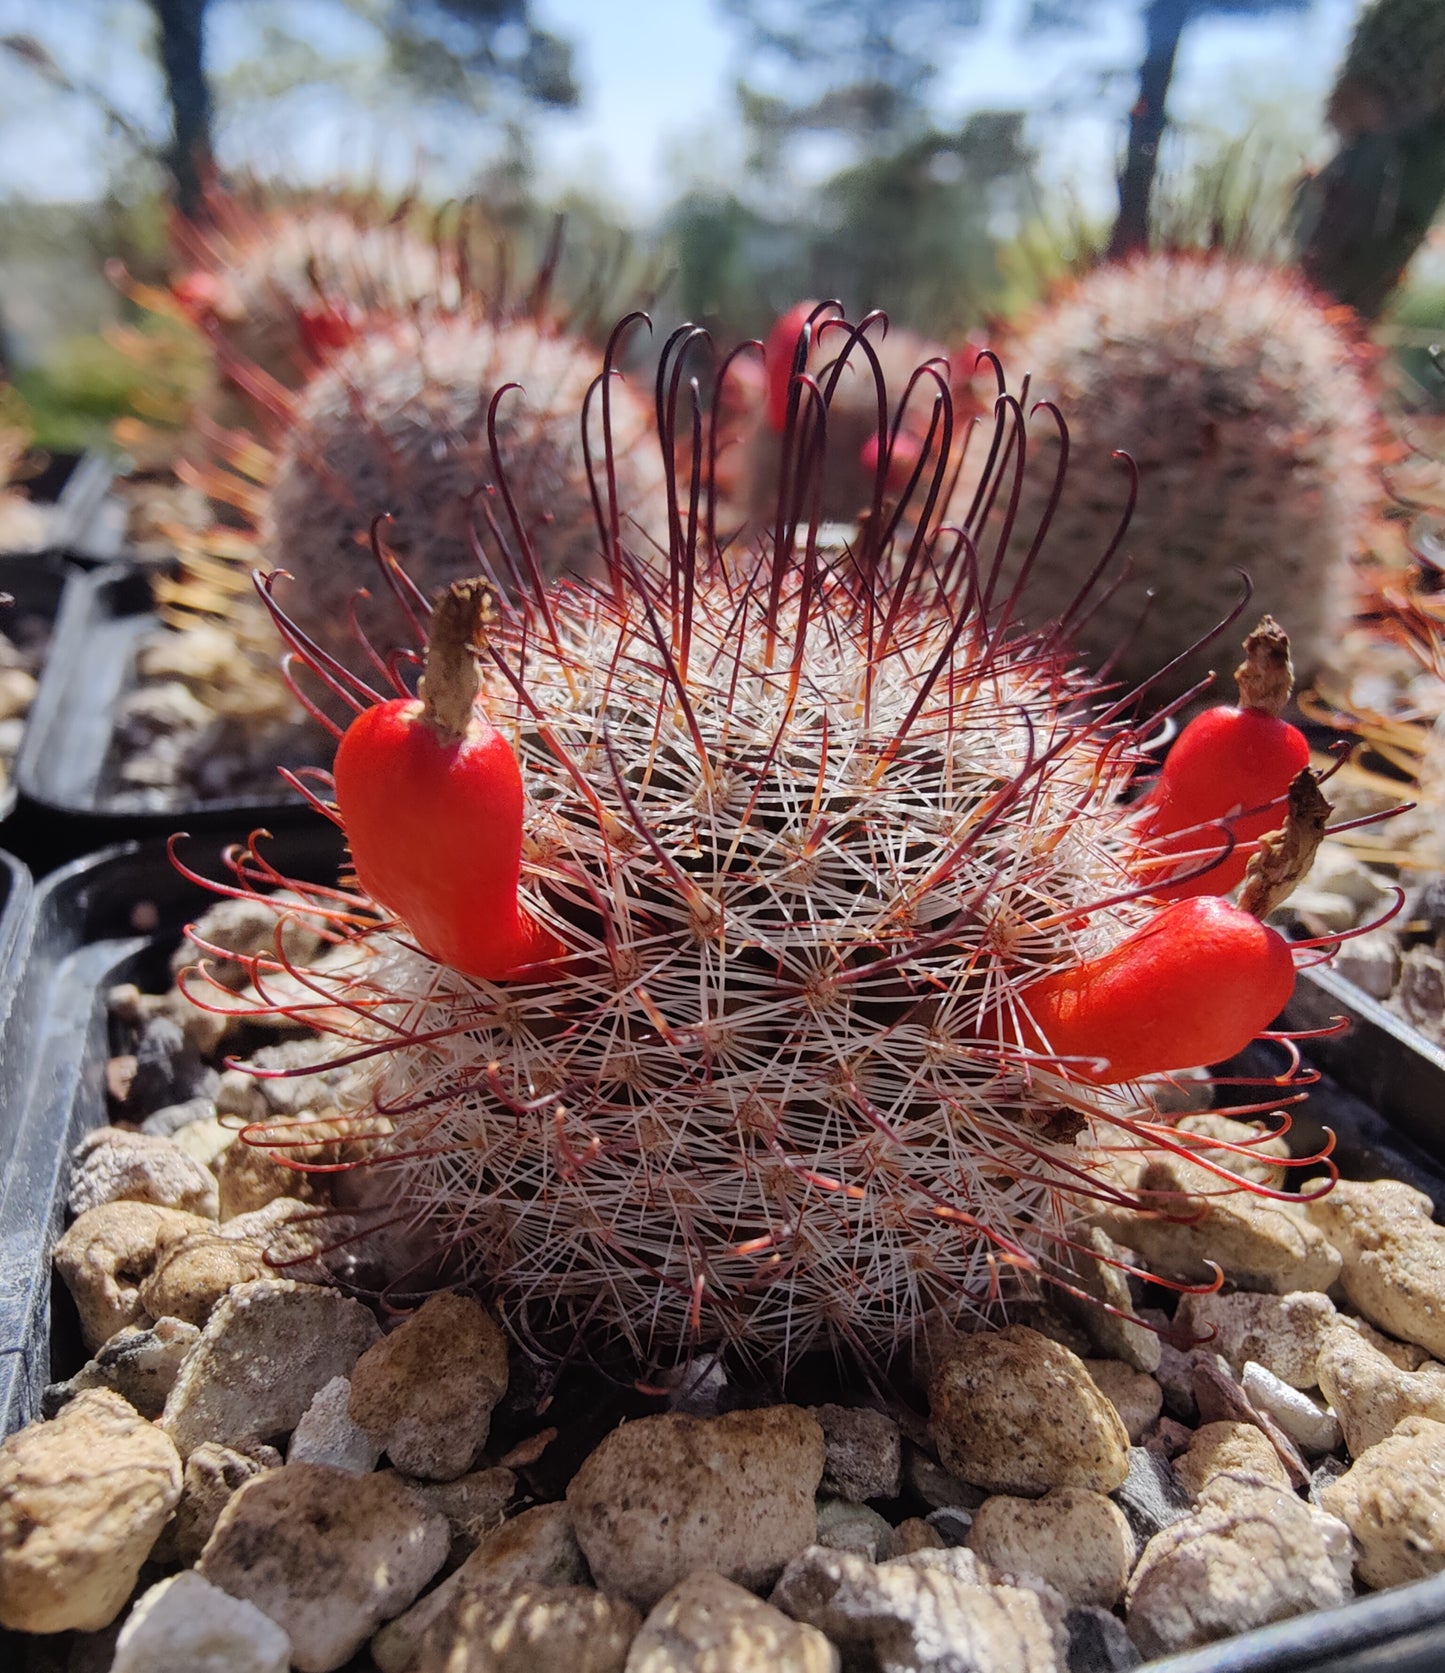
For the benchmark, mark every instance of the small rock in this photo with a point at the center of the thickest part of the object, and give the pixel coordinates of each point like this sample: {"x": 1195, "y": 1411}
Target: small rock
{"x": 1135, "y": 1395}
{"x": 141, "y": 1365}
{"x": 1284, "y": 1333}
{"x": 915, "y": 1534}
{"x": 327, "y": 1555}
{"x": 194, "y": 1272}
{"x": 1237, "y": 1450}
{"x": 326, "y": 1433}
{"x": 1015, "y": 1413}
{"x": 1260, "y": 1556}
{"x": 250, "y": 1175}
{"x": 1168, "y": 1438}
{"x": 1222, "y": 1400}
{"x": 1250, "y": 1149}
{"x": 1323, "y": 911}
{"x": 1117, "y": 1334}
{"x": 536, "y": 1545}
{"x": 1079, "y": 1542}
{"x": 106, "y": 1257}
{"x": 666, "y": 1496}
{"x": 845, "y": 1526}
{"x": 166, "y": 1123}
{"x": 952, "y": 1524}
{"x": 1393, "y": 1501}
{"x": 168, "y": 1068}
{"x": 706, "y": 1624}
{"x": 207, "y": 1140}
{"x": 1370, "y": 1395}
{"x": 425, "y": 1393}
{"x": 1186, "y": 1228}
{"x": 938, "y": 1488}
{"x": 1312, "y": 1428}
{"x": 1326, "y": 1471}
{"x": 250, "y": 929}
{"x": 1393, "y": 1257}
{"x": 864, "y": 1456}
{"x": 1340, "y": 872}
{"x": 473, "y": 1504}
{"x": 1099, "y": 1643}
{"x": 1151, "y": 1496}
{"x": 82, "y": 1499}
{"x": 1420, "y": 994}
{"x": 1371, "y": 962}
{"x": 115, "y": 1165}
{"x": 266, "y": 1349}
{"x": 211, "y": 1476}
{"x": 1405, "y": 1355}
{"x": 931, "y": 1611}
{"x": 528, "y": 1628}
{"x": 1175, "y": 1377}
{"x": 187, "y": 1625}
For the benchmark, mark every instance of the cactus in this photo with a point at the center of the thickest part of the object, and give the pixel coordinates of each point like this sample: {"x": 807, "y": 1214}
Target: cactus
{"x": 398, "y": 424}
{"x": 799, "y": 860}
{"x": 1361, "y": 219}
{"x": 1246, "y": 406}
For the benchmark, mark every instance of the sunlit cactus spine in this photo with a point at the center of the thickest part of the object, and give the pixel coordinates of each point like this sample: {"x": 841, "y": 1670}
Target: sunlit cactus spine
{"x": 741, "y": 964}
{"x": 1245, "y": 404}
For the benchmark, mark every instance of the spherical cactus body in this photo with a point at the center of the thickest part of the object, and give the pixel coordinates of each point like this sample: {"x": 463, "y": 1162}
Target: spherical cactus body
{"x": 400, "y": 425}
{"x": 856, "y": 973}
{"x": 1242, "y": 402}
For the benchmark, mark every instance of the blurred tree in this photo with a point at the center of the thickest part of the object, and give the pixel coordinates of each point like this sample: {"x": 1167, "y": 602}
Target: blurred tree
{"x": 1165, "y": 22}
{"x": 180, "y": 44}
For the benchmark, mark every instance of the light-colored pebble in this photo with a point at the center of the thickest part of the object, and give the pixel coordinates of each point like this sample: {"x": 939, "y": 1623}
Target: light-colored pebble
{"x": 706, "y": 1624}
{"x": 187, "y": 1625}
{"x": 666, "y": 1496}
{"x": 140, "y": 1364}
{"x": 473, "y": 1504}
{"x": 266, "y": 1349}
{"x": 1013, "y": 1412}
{"x": 1392, "y": 1499}
{"x": 326, "y": 1433}
{"x": 106, "y": 1256}
{"x": 537, "y": 1545}
{"x": 113, "y": 1164}
{"x": 212, "y": 1474}
{"x": 425, "y": 1393}
{"x": 327, "y": 1555}
{"x": 193, "y": 1273}
{"x": 933, "y": 1612}
{"x": 1394, "y": 1257}
{"x": 1259, "y": 1153}
{"x": 1283, "y": 1333}
{"x": 1135, "y": 1395}
{"x": 1314, "y": 1429}
{"x": 1370, "y": 1394}
{"x": 1236, "y": 1450}
{"x": 205, "y": 1140}
{"x": 1257, "y": 1557}
{"x": 864, "y": 1453}
{"x": 1258, "y": 1244}
{"x": 249, "y": 929}
{"x": 251, "y": 1175}
{"x": 82, "y": 1498}
{"x": 1078, "y": 1541}
{"x": 1116, "y": 1334}
{"x": 1371, "y": 962}
{"x": 528, "y": 1628}
{"x": 845, "y": 1526}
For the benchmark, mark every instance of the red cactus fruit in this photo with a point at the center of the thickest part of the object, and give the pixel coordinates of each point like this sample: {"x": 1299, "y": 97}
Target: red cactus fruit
{"x": 431, "y": 777}
{"x": 1224, "y": 782}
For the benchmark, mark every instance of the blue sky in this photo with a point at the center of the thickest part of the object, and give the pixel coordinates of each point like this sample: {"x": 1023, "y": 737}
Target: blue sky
{"x": 658, "y": 79}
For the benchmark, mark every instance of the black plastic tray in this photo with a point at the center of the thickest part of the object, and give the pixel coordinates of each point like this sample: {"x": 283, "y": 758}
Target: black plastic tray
{"x": 63, "y": 766}
{"x": 81, "y": 937}
{"x": 84, "y": 520}
{"x": 96, "y": 922}
{"x": 37, "y": 584}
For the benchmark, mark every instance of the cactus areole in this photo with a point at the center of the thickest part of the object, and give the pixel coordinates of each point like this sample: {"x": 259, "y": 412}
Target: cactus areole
{"x": 756, "y": 948}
